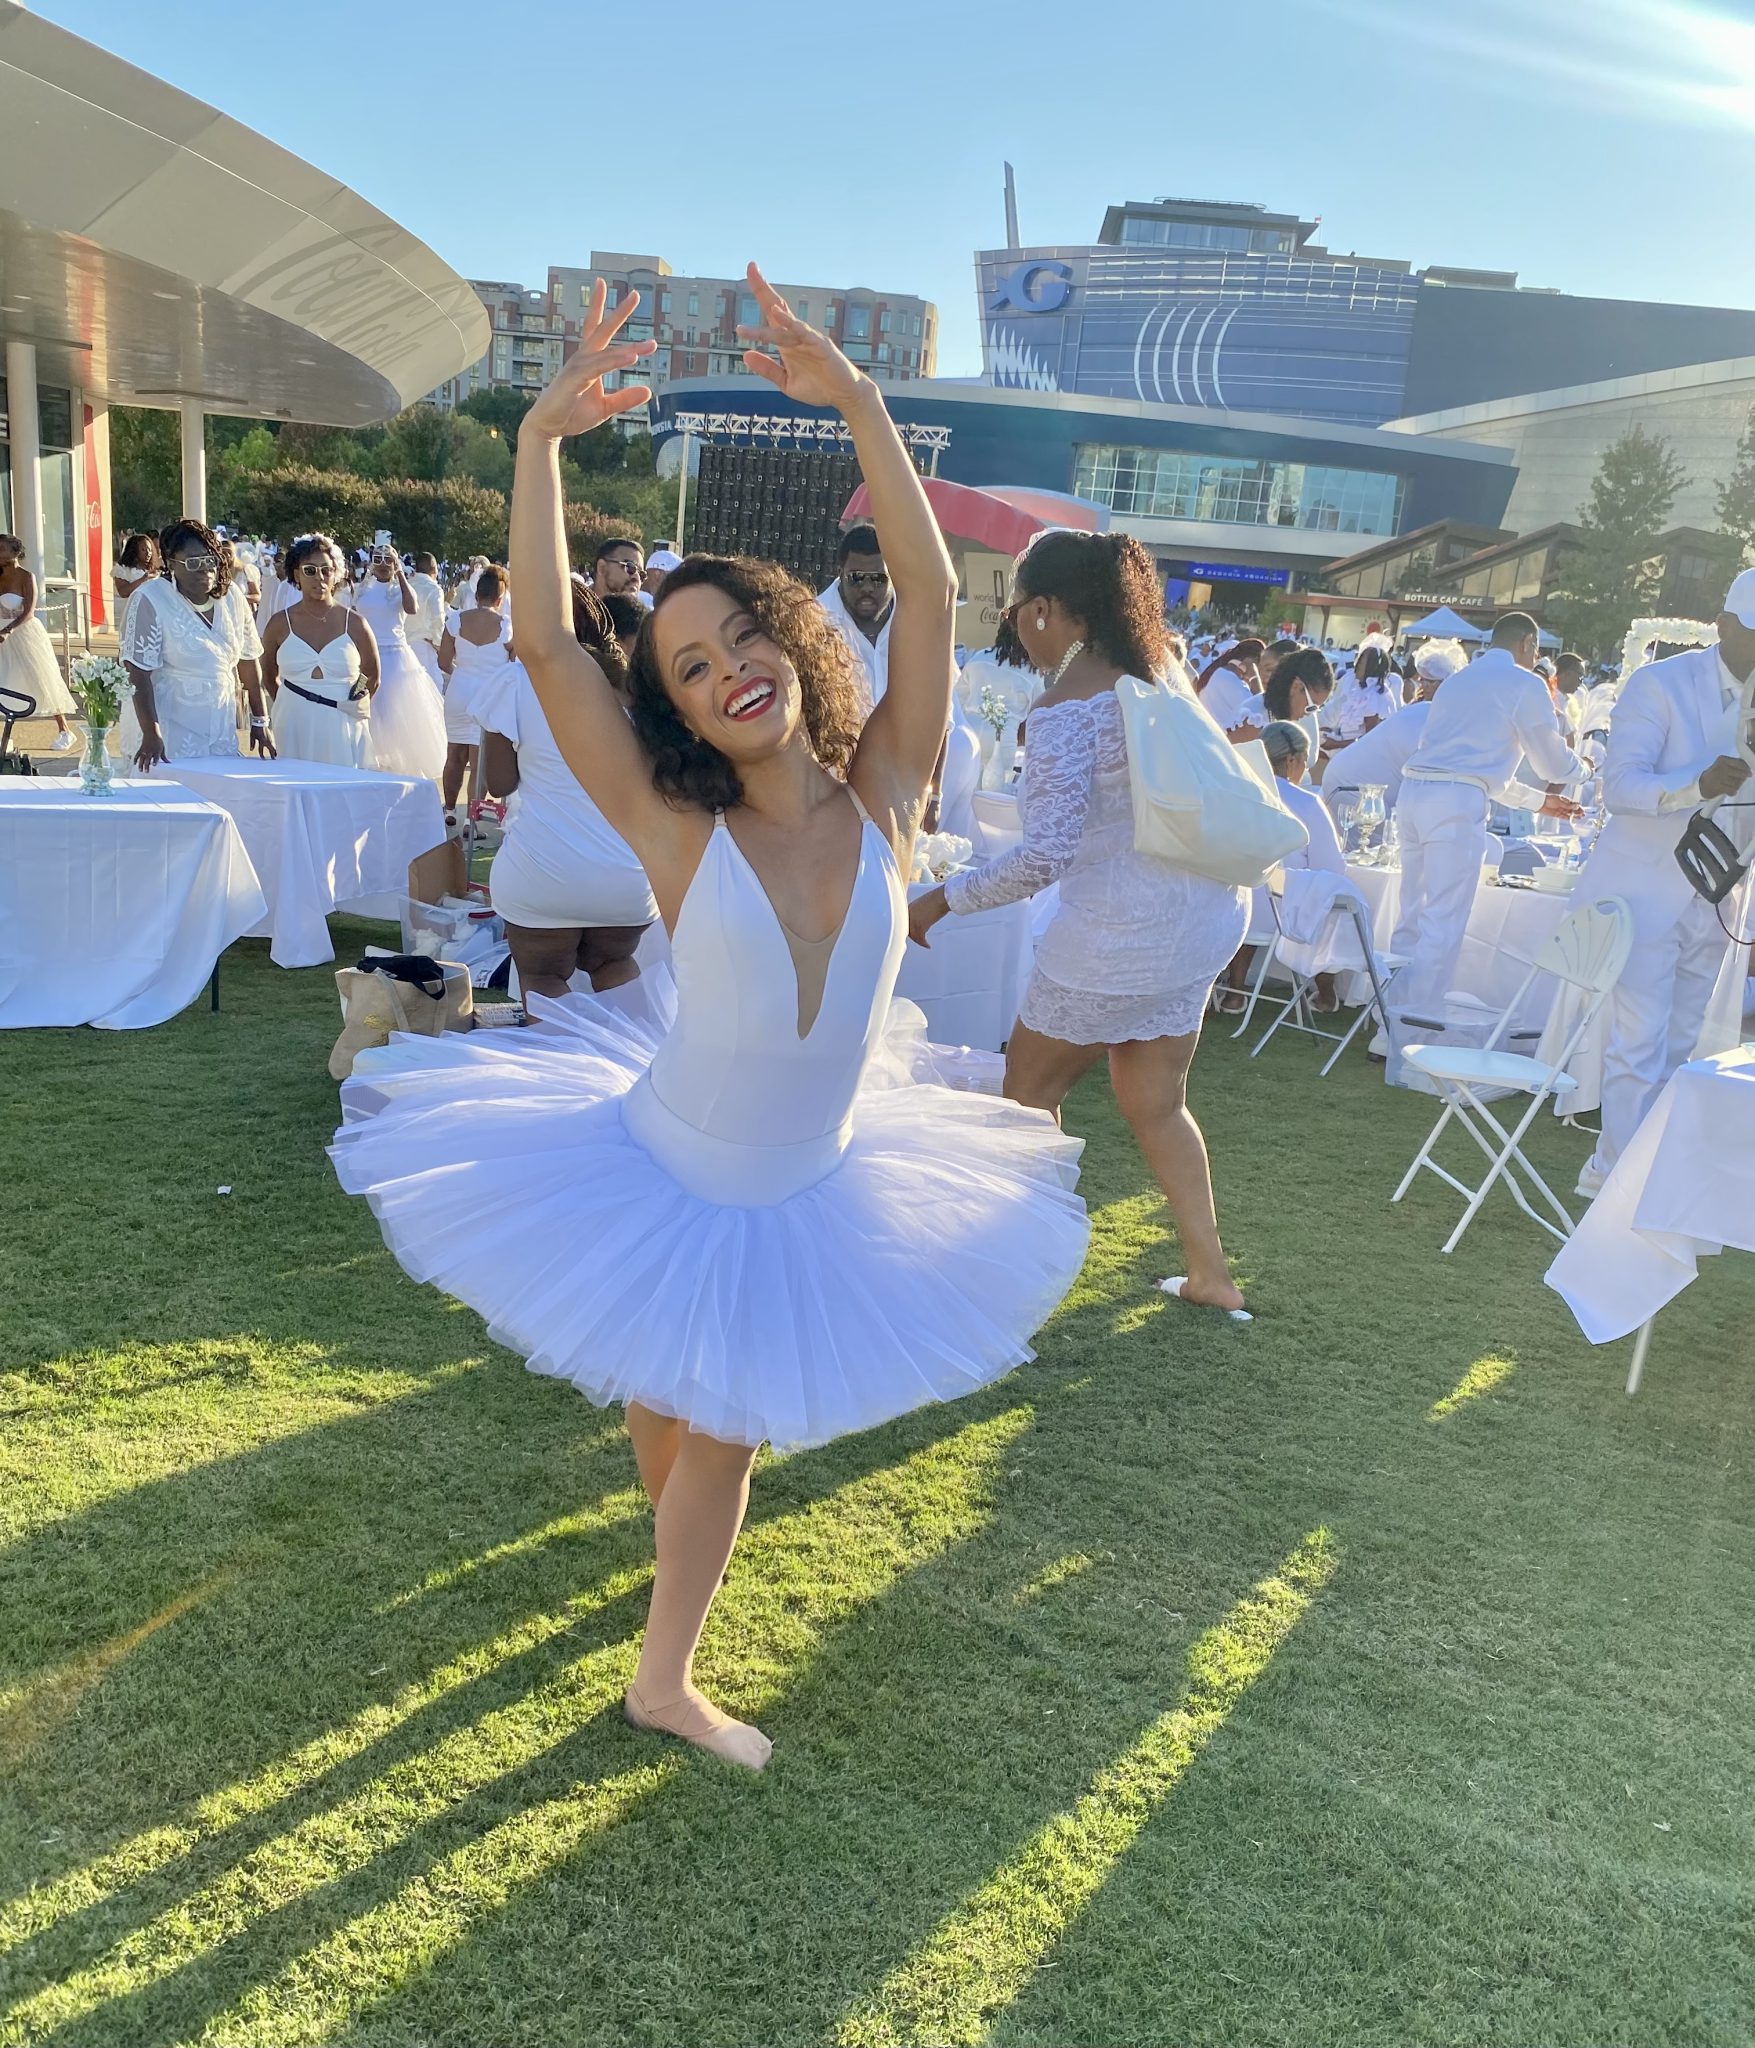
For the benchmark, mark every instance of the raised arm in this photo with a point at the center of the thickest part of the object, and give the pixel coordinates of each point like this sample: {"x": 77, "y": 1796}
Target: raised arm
{"x": 589, "y": 726}
{"x": 900, "y": 746}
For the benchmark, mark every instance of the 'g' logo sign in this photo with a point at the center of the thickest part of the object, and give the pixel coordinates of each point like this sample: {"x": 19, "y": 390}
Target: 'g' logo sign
{"x": 1032, "y": 288}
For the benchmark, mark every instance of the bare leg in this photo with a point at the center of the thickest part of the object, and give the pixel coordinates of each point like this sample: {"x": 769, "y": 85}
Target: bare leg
{"x": 458, "y": 762}
{"x": 546, "y": 960}
{"x": 1040, "y": 1071}
{"x": 606, "y": 953}
{"x": 1149, "y": 1078}
{"x": 654, "y": 1438}
{"x": 698, "y": 1519}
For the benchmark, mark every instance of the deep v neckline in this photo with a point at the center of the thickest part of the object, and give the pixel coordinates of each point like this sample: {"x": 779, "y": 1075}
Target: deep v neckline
{"x": 794, "y": 940}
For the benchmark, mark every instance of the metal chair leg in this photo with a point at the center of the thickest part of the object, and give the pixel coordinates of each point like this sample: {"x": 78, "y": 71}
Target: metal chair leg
{"x": 1641, "y": 1345}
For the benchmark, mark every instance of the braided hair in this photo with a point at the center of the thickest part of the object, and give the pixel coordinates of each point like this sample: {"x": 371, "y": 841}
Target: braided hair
{"x": 181, "y": 532}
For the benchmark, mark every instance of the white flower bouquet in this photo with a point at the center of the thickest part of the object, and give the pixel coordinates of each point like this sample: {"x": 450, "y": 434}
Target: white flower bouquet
{"x": 101, "y": 681}
{"x": 995, "y": 709}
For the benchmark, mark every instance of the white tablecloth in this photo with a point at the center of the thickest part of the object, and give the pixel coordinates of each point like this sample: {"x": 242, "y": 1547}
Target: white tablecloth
{"x": 114, "y": 908}
{"x": 970, "y": 979}
{"x": 321, "y": 837}
{"x": 1507, "y": 929}
{"x": 1684, "y": 1186}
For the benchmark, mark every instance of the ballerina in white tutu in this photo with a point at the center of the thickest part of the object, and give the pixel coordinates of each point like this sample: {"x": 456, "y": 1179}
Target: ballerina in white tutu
{"x": 320, "y": 663}
{"x": 27, "y": 654}
{"x": 408, "y": 719}
{"x": 749, "y": 1231}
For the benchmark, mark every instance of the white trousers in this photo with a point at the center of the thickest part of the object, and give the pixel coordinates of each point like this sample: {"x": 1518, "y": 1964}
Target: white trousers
{"x": 1442, "y": 827}
{"x": 1655, "y": 1014}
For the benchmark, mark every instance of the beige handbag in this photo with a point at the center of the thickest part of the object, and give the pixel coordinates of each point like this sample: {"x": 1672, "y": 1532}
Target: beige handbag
{"x": 397, "y": 992}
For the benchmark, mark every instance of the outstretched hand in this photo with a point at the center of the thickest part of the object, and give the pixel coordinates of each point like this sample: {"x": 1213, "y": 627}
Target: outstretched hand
{"x": 805, "y": 365}
{"x": 576, "y": 401}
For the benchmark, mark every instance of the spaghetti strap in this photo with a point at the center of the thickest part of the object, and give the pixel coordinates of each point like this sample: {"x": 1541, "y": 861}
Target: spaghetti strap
{"x": 865, "y": 815}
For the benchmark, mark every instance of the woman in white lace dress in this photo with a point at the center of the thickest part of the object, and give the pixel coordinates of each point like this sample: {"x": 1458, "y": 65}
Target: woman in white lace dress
{"x": 1132, "y": 953}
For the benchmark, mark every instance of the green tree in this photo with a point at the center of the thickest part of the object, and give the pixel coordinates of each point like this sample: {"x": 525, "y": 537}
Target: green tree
{"x": 146, "y": 468}
{"x": 1736, "y": 497}
{"x": 502, "y": 409}
{"x": 1612, "y": 575}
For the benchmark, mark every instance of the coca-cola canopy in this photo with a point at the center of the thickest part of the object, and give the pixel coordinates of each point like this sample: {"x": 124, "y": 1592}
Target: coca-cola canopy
{"x": 1003, "y": 518}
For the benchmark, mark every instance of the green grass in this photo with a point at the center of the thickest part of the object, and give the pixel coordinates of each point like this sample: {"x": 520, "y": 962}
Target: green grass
{"x": 1378, "y": 1674}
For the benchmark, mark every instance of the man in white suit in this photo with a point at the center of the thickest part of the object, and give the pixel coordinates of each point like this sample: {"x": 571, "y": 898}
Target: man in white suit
{"x": 1487, "y": 719}
{"x": 1672, "y": 746}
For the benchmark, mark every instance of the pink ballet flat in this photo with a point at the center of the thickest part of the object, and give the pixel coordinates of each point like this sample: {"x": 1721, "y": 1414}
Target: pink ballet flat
{"x": 689, "y": 1720}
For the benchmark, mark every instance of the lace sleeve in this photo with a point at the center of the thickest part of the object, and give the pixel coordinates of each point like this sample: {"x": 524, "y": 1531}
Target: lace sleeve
{"x": 142, "y": 636}
{"x": 1058, "y": 760}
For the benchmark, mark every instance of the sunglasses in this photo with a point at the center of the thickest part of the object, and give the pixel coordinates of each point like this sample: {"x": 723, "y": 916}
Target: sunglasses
{"x": 866, "y": 579}
{"x": 193, "y": 562}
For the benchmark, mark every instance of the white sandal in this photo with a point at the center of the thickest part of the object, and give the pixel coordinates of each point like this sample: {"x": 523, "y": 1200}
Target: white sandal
{"x": 1178, "y": 1281}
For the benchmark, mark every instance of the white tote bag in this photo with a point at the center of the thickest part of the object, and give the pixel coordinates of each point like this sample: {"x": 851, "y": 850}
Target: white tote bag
{"x": 1198, "y": 801}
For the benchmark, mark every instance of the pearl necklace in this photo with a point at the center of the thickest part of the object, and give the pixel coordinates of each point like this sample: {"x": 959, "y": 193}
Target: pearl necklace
{"x": 1065, "y": 662}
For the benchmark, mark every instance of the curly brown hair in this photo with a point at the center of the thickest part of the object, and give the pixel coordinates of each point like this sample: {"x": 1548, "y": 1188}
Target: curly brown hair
{"x": 685, "y": 769}
{"x": 1108, "y": 580}
{"x": 181, "y": 532}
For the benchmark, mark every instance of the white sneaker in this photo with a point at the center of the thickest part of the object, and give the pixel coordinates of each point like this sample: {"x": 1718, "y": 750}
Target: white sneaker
{"x": 1590, "y": 1181}
{"x": 62, "y": 743}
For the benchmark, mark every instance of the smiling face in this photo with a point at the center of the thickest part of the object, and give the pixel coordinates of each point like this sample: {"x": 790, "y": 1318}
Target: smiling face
{"x": 731, "y": 684}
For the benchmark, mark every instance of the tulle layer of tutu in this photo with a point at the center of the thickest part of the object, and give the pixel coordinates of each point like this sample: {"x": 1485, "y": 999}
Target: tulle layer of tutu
{"x": 917, "y": 1270}
{"x": 408, "y": 716}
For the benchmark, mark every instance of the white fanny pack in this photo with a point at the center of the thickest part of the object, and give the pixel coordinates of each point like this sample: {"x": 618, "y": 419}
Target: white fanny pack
{"x": 1198, "y": 801}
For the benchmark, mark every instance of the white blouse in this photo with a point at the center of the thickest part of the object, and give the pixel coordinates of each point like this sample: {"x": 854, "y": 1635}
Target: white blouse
{"x": 189, "y": 660}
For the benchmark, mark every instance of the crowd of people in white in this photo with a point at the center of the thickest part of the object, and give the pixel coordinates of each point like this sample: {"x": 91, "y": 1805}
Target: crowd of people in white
{"x": 707, "y": 740}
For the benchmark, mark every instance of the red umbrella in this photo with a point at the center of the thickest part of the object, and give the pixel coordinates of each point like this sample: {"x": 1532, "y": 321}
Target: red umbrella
{"x": 1005, "y": 520}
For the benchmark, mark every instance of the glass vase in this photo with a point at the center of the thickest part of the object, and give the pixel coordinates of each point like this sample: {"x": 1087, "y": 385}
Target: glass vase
{"x": 94, "y": 763}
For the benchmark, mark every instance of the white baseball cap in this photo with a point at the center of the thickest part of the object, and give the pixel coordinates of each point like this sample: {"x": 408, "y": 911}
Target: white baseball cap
{"x": 1740, "y": 599}
{"x": 665, "y": 559}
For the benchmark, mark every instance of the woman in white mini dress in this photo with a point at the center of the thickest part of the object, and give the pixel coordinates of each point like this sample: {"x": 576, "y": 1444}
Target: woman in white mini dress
{"x": 320, "y": 662}
{"x": 408, "y": 720}
{"x": 475, "y": 650}
{"x": 27, "y": 654}
{"x": 137, "y": 561}
{"x": 1131, "y": 956}
{"x": 189, "y": 641}
{"x": 574, "y": 896}
{"x": 746, "y": 1231}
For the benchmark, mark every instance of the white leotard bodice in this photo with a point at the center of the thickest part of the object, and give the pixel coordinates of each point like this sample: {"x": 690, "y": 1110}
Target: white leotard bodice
{"x": 737, "y": 1104}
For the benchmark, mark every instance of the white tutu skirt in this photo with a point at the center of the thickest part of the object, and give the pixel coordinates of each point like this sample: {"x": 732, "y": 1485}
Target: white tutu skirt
{"x": 917, "y": 1270}
{"x": 27, "y": 663}
{"x": 408, "y": 720}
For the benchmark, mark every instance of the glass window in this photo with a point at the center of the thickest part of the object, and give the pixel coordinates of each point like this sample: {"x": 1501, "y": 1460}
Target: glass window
{"x": 747, "y": 315}
{"x": 884, "y": 321}
{"x": 1238, "y": 491}
{"x": 58, "y": 527}
{"x": 858, "y": 322}
{"x": 883, "y": 351}
{"x": 55, "y": 416}
{"x": 802, "y": 309}
{"x": 694, "y": 305}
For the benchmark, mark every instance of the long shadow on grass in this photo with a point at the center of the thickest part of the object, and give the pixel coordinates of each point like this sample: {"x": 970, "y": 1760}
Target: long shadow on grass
{"x": 332, "y": 1623}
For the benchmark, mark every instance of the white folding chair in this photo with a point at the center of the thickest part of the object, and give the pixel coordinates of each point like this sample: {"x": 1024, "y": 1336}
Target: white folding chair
{"x": 1295, "y": 1013}
{"x": 1588, "y": 951}
{"x": 1261, "y": 935}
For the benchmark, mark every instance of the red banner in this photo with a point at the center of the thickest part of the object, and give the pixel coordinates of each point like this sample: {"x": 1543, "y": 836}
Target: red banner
{"x": 96, "y": 554}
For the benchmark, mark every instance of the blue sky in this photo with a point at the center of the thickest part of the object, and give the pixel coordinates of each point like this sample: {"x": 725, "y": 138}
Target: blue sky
{"x": 1595, "y": 145}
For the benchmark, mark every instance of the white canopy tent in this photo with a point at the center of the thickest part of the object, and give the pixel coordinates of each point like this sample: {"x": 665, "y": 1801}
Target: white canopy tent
{"x": 1444, "y": 624}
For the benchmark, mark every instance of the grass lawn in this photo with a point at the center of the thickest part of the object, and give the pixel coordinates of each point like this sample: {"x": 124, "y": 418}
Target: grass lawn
{"x": 1378, "y": 1674}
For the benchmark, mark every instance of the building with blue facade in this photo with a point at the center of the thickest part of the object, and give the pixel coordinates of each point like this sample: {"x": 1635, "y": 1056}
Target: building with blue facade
{"x": 1252, "y": 498}
{"x": 1223, "y": 307}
